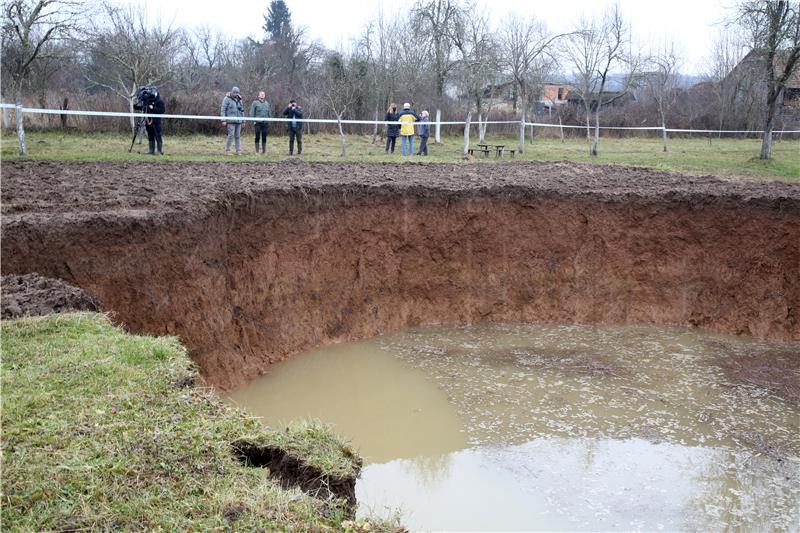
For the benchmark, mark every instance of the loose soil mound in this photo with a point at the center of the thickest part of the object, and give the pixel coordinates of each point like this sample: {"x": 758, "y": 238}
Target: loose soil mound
{"x": 250, "y": 263}
{"x": 35, "y": 295}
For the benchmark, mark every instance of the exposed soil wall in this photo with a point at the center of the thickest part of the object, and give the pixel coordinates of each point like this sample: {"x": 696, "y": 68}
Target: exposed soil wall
{"x": 282, "y": 258}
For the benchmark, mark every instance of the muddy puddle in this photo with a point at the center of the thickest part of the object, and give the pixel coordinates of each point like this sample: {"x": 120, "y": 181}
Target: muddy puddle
{"x": 558, "y": 427}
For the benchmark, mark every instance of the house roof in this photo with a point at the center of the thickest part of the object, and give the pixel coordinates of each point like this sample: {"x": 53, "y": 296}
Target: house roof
{"x": 753, "y": 62}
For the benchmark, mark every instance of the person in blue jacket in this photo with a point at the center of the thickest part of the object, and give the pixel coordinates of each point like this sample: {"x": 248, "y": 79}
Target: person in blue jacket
{"x": 293, "y": 112}
{"x": 424, "y": 132}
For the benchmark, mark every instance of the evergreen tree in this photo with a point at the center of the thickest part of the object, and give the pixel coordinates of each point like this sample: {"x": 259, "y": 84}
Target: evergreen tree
{"x": 278, "y": 20}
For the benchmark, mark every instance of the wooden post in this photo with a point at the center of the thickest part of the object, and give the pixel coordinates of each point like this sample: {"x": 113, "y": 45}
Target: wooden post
{"x": 438, "y": 126}
{"x": 6, "y": 120}
{"x": 375, "y": 129}
{"x": 466, "y": 132}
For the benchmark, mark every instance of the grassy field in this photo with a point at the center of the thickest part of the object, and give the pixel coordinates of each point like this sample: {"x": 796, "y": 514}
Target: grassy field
{"x": 97, "y": 436}
{"x": 725, "y": 157}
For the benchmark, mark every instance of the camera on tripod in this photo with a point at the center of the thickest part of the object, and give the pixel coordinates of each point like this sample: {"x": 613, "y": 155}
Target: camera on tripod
{"x": 145, "y": 96}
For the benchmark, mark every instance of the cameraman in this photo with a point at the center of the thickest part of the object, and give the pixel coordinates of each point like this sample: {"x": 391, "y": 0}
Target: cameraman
{"x": 232, "y": 112}
{"x": 294, "y": 111}
{"x": 150, "y": 102}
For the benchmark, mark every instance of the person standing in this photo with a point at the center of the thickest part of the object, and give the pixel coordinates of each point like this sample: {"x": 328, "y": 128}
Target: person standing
{"x": 155, "y": 106}
{"x": 424, "y": 132}
{"x": 407, "y": 118}
{"x": 232, "y": 112}
{"x": 294, "y": 112}
{"x": 260, "y": 109}
{"x": 392, "y": 130}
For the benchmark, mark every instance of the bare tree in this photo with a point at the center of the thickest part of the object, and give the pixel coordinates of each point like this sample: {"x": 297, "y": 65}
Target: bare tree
{"x": 377, "y": 43}
{"x": 662, "y": 82}
{"x": 339, "y": 87}
{"x": 478, "y": 65}
{"x": 597, "y": 49}
{"x": 775, "y": 28}
{"x": 127, "y": 52}
{"x": 29, "y": 27}
{"x": 726, "y": 53}
{"x": 436, "y": 19}
{"x": 526, "y": 52}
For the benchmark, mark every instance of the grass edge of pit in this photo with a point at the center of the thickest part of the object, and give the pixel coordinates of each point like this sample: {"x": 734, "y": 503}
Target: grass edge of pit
{"x": 104, "y": 429}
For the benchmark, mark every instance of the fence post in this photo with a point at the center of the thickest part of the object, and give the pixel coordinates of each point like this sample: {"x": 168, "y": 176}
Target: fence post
{"x": 466, "y": 133}
{"x": 438, "y": 137}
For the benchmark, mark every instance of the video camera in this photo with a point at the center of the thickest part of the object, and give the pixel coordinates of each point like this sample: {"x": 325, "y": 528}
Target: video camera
{"x": 145, "y": 97}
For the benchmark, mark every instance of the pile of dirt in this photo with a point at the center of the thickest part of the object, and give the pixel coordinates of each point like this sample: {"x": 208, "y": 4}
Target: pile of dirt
{"x": 35, "y": 295}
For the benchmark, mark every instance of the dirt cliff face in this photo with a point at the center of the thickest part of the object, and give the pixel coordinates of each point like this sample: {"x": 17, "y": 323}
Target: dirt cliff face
{"x": 283, "y": 258}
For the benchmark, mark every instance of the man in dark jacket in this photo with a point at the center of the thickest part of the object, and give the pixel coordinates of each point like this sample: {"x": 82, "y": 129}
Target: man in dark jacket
{"x": 152, "y": 104}
{"x": 294, "y": 112}
{"x": 260, "y": 109}
{"x": 392, "y": 130}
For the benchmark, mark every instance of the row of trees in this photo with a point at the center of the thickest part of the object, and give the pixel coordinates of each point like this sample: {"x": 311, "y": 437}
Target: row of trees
{"x": 446, "y": 54}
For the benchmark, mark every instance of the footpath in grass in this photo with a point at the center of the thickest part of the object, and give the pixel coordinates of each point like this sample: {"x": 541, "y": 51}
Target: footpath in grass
{"x": 724, "y": 157}
{"x": 101, "y": 431}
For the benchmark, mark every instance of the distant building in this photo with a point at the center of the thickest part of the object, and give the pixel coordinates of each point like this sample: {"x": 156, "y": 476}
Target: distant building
{"x": 504, "y": 96}
{"x": 749, "y": 79}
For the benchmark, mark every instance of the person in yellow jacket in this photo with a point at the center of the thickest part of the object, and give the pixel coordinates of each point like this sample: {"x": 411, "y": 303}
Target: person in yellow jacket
{"x": 407, "y": 119}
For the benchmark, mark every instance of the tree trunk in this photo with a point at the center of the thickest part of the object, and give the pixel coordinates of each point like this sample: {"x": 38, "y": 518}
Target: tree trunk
{"x": 341, "y": 134}
{"x": 769, "y": 124}
{"x": 481, "y": 129}
{"x": 522, "y": 133}
{"x": 20, "y": 122}
{"x": 664, "y": 129}
{"x": 130, "y": 109}
{"x": 561, "y": 128}
{"x": 588, "y": 122}
{"x": 375, "y": 129}
{"x": 438, "y": 131}
{"x": 596, "y": 144}
{"x": 466, "y": 132}
{"x": 64, "y": 107}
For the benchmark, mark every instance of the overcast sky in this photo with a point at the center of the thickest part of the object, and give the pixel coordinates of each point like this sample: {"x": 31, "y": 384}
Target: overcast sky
{"x": 690, "y": 23}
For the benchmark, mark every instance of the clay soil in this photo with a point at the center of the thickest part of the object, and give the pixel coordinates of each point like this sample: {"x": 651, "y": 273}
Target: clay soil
{"x": 250, "y": 263}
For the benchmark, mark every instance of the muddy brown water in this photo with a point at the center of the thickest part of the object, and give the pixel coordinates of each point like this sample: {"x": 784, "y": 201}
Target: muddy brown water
{"x": 556, "y": 427}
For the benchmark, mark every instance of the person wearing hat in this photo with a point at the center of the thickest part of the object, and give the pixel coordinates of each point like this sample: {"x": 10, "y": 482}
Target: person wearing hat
{"x": 407, "y": 118}
{"x": 232, "y": 113}
{"x": 294, "y": 112}
{"x": 155, "y": 106}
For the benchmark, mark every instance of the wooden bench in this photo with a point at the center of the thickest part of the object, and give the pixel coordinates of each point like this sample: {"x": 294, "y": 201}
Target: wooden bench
{"x": 484, "y": 151}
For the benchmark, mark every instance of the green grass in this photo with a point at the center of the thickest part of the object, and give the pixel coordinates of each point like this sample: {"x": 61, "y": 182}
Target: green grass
{"x": 96, "y": 435}
{"x": 725, "y": 157}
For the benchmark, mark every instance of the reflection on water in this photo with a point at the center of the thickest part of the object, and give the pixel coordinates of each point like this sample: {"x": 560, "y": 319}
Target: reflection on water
{"x": 386, "y": 406}
{"x": 553, "y": 427}
{"x": 583, "y": 484}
